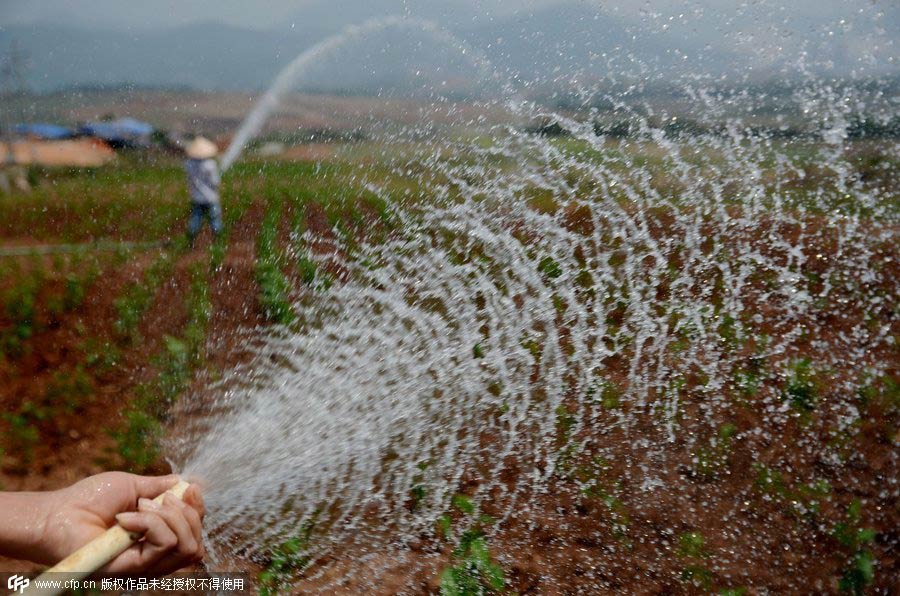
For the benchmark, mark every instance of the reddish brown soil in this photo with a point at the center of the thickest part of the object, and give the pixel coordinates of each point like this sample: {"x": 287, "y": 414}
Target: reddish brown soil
{"x": 69, "y": 447}
{"x": 76, "y": 446}
{"x": 560, "y": 541}
{"x": 564, "y": 541}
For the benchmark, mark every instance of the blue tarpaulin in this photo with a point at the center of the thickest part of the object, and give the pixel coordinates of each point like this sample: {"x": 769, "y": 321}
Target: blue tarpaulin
{"x": 124, "y": 131}
{"x": 44, "y": 131}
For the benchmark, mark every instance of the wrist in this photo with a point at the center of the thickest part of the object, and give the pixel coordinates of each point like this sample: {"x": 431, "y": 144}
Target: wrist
{"x": 23, "y": 525}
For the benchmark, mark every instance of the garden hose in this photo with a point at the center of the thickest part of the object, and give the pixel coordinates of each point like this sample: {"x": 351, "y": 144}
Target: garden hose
{"x": 95, "y": 554}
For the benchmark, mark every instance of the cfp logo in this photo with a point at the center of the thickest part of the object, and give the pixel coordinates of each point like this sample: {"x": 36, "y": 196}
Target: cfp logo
{"x": 17, "y": 583}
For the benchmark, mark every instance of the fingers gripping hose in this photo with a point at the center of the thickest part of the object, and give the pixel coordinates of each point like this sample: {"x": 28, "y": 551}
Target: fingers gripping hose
{"x": 96, "y": 553}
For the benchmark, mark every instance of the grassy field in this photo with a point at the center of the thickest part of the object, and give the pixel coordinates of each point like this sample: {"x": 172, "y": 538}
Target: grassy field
{"x": 96, "y": 346}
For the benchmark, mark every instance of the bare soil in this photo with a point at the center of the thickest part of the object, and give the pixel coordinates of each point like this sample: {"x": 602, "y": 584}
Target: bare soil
{"x": 560, "y": 541}
{"x": 73, "y": 447}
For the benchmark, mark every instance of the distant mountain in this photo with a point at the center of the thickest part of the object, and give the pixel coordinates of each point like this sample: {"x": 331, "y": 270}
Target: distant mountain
{"x": 578, "y": 41}
{"x": 210, "y": 56}
{"x": 565, "y": 42}
{"x": 333, "y": 15}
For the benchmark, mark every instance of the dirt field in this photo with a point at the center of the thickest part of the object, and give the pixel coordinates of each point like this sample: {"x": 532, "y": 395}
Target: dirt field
{"x": 97, "y": 346}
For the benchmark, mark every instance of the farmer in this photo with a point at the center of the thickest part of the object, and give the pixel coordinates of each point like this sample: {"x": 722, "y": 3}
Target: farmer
{"x": 46, "y": 527}
{"x": 203, "y": 180}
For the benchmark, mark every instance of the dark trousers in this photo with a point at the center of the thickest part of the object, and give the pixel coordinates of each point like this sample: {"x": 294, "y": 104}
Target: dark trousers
{"x": 199, "y": 211}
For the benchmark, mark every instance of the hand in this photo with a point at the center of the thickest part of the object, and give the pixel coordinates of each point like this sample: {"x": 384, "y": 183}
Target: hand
{"x": 78, "y": 514}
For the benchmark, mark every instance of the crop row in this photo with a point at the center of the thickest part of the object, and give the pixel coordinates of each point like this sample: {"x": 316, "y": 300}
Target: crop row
{"x": 36, "y": 297}
{"x": 138, "y": 439}
{"x": 274, "y": 287}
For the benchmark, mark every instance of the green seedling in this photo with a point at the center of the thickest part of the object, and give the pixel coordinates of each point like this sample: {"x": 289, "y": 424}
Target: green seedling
{"x": 801, "y": 389}
{"x": 23, "y": 425}
{"x": 101, "y": 356}
{"x": 595, "y": 484}
{"x": 472, "y": 569}
{"x": 417, "y": 495}
{"x": 710, "y": 460}
{"x": 859, "y": 571}
{"x": 217, "y": 254}
{"x": 802, "y": 500}
{"x": 475, "y": 571}
{"x": 138, "y": 440}
{"x": 306, "y": 269}
{"x": 19, "y": 305}
{"x": 274, "y": 287}
{"x": 138, "y": 298}
{"x": 692, "y": 548}
{"x": 287, "y": 560}
{"x": 68, "y": 389}
{"x": 550, "y": 268}
{"x": 607, "y": 393}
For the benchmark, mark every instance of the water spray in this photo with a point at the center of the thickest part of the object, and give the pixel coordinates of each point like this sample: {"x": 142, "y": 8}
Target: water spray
{"x": 434, "y": 338}
{"x": 299, "y": 67}
{"x": 487, "y": 317}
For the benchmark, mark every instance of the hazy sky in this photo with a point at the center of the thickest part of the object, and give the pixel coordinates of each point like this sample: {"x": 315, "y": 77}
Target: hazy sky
{"x": 269, "y": 13}
{"x": 259, "y": 14}
{"x": 526, "y": 36}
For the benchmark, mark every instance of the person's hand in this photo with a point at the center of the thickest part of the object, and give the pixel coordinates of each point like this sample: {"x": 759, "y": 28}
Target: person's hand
{"x": 78, "y": 514}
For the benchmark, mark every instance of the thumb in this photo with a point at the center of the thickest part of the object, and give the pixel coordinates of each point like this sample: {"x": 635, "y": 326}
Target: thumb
{"x": 150, "y": 487}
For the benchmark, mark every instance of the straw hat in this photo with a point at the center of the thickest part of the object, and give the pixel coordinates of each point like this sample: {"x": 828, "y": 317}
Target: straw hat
{"x": 201, "y": 148}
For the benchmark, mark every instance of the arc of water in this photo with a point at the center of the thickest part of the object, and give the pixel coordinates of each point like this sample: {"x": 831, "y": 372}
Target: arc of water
{"x": 389, "y": 379}
{"x": 294, "y": 72}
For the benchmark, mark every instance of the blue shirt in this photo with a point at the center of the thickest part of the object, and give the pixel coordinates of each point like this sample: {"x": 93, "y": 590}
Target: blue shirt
{"x": 203, "y": 180}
